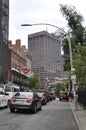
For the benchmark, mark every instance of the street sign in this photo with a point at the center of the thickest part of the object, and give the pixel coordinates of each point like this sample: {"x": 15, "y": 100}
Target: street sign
{"x": 73, "y": 79}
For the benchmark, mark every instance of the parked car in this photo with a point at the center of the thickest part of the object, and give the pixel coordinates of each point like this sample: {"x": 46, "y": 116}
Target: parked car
{"x": 63, "y": 96}
{"x": 46, "y": 94}
{"x": 10, "y": 89}
{"x": 3, "y": 98}
{"x": 43, "y": 98}
{"x": 25, "y": 100}
{"x": 52, "y": 96}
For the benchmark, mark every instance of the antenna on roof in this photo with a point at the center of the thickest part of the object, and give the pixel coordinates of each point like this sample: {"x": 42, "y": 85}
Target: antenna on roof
{"x": 46, "y": 26}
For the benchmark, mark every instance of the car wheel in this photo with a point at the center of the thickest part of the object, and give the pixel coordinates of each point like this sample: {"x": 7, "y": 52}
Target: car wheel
{"x": 59, "y": 99}
{"x": 12, "y": 109}
{"x": 35, "y": 109}
{"x": 46, "y": 101}
{"x": 67, "y": 100}
{"x": 40, "y": 108}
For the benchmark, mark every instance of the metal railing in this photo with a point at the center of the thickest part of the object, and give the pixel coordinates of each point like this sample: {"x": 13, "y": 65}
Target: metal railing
{"x": 82, "y": 97}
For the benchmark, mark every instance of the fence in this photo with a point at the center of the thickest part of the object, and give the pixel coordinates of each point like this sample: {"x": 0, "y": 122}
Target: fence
{"x": 82, "y": 97}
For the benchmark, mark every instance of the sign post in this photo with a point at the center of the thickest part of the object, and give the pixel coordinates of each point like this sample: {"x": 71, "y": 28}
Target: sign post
{"x": 75, "y": 87}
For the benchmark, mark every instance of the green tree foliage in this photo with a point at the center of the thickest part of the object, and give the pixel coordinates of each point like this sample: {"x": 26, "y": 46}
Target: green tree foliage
{"x": 33, "y": 82}
{"x": 78, "y": 32}
{"x": 60, "y": 87}
{"x": 78, "y": 43}
{"x": 75, "y": 22}
{"x": 80, "y": 66}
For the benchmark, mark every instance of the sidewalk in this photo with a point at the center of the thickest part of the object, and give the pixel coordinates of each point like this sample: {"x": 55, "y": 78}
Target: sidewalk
{"x": 80, "y": 115}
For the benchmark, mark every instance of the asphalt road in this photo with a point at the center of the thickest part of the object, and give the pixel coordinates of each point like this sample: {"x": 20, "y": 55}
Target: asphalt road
{"x": 54, "y": 116}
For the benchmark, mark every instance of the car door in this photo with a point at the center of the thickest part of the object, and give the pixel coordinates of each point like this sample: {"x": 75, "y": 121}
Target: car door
{"x": 3, "y": 98}
{"x": 6, "y": 97}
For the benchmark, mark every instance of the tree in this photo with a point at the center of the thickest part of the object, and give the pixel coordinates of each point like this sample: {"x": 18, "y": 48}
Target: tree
{"x": 78, "y": 32}
{"x": 75, "y": 22}
{"x": 60, "y": 87}
{"x": 80, "y": 66}
{"x": 78, "y": 40}
{"x": 33, "y": 82}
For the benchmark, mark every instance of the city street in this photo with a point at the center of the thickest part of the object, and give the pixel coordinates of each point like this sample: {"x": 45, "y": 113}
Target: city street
{"x": 54, "y": 116}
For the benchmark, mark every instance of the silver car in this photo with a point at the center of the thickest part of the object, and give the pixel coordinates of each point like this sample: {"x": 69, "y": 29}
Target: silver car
{"x": 25, "y": 100}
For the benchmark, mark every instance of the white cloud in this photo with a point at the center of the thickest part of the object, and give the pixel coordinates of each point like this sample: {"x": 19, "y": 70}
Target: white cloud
{"x": 38, "y": 11}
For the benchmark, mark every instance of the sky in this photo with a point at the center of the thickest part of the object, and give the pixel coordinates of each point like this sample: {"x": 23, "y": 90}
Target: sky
{"x": 38, "y": 11}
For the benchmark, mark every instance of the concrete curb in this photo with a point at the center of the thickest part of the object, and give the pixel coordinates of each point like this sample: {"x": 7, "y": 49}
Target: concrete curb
{"x": 76, "y": 116}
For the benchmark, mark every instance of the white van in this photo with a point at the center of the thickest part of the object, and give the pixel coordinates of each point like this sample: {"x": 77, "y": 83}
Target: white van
{"x": 3, "y": 98}
{"x": 10, "y": 89}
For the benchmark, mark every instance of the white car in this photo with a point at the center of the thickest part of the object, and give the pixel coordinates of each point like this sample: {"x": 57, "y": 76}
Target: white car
{"x": 10, "y": 90}
{"x": 3, "y": 98}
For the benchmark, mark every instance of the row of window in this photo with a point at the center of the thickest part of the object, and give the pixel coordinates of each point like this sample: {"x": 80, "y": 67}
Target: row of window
{"x": 43, "y": 36}
{"x": 19, "y": 58}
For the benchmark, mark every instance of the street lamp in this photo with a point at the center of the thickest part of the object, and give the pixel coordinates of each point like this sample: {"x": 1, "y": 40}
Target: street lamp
{"x": 69, "y": 39}
{"x": 43, "y": 24}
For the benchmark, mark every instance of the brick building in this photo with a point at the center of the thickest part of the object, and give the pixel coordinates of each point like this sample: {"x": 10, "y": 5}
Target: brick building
{"x": 19, "y": 63}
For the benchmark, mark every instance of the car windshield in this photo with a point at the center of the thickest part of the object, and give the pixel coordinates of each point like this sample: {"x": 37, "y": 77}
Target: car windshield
{"x": 24, "y": 95}
{"x": 40, "y": 94}
{"x": 1, "y": 91}
{"x": 1, "y": 86}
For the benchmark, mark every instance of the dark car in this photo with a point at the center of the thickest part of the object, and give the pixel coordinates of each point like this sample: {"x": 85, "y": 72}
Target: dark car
{"x": 64, "y": 96}
{"x": 52, "y": 96}
{"x": 25, "y": 100}
{"x": 46, "y": 94}
{"x": 43, "y": 98}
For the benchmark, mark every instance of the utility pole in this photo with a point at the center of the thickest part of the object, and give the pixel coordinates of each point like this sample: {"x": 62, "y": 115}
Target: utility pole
{"x": 70, "y": 50}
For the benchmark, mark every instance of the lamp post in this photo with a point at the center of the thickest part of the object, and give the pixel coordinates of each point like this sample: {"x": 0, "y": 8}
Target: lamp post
{"x": 70, "y": 50}
{"x": 69, "y": 40}
{"x": 44, "y": 24}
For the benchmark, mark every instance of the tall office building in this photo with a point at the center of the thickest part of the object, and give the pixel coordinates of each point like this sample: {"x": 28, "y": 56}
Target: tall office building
{"x": 45, "y": 50}
{"x": 4, "y": 25}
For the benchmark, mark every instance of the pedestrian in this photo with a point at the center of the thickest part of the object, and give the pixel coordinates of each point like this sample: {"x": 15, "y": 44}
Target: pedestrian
{"x": 71, "y": 96}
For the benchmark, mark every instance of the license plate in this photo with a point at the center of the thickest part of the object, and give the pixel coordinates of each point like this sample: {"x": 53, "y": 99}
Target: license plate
{"x": 20, "y": 101}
